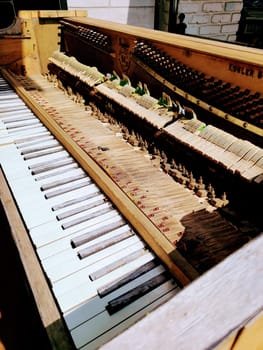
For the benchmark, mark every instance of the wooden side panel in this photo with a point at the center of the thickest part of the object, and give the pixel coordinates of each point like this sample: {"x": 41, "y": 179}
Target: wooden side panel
{"x": 46, "y": 305}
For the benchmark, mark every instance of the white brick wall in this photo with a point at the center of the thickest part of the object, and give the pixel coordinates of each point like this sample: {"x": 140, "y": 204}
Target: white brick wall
{"x": 213, "y": 19}
{"x": 135, "y": 12}
{"x": 208, "y": 18}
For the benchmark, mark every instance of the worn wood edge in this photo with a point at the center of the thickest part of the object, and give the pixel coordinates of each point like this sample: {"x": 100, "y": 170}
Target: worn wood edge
{"x": 48, "y": 311}
{"x": 163, "y": 248}
{"x": 210, "y": 47}
{"x": 212, "y": 310}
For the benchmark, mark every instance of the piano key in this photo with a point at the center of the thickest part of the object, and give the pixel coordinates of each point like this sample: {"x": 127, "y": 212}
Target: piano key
{"x": 26, "y": 128}
{"x": 127, "y": 298}
{"x": 13, "y": 126}
{"x": 10, "y": 118}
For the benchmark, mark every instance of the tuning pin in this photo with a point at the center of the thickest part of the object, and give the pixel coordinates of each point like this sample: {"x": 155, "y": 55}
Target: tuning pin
{"x": 224, "y": 199}
{"x": 200, "y": 188}
{"x": 173, "y": 164}
{"x": 191, "y": 182}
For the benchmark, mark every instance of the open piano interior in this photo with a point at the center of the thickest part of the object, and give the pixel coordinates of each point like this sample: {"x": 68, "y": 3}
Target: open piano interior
{"x": 134, "y": 162}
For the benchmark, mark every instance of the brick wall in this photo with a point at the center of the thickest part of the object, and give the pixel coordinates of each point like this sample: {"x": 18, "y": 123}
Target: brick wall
{"x": 135, "y": 12}
{"x": 206, "y": 18}
{"x": 212, "y": 18}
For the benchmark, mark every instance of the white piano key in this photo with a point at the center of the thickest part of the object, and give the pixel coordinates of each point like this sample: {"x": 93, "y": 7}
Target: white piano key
{"x": 31, "y": 202}
{"x": 11, "y": 105}
{"x": 10, "y": 116}
{"x": 12, "y": 163}
{"x": 26, "y": 128}
{"x": 18, "y": 125}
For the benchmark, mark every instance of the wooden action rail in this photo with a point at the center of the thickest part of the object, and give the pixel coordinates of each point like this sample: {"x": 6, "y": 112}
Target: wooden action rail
{"x": 163, "y": 248}
{"x": 163, "y": 60}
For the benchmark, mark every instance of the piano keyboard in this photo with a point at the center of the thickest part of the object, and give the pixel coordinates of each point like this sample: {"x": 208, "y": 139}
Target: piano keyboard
{"x": 101, "y": 273}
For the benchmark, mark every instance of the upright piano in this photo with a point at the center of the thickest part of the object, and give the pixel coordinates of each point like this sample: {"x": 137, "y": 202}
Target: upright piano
{"x": 132, "y": 179}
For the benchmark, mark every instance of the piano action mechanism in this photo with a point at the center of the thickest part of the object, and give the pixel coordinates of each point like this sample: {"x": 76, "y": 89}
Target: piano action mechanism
{"x": 169, "y": 128}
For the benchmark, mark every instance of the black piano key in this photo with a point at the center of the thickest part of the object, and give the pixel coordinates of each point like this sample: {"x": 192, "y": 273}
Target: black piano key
{"x": 116, "y": 264}
{"x": 122, "y": 301}
{"x": 111, "y": 287}
{"x": 87, "y": 237}
{"x": 104, "y": 244}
